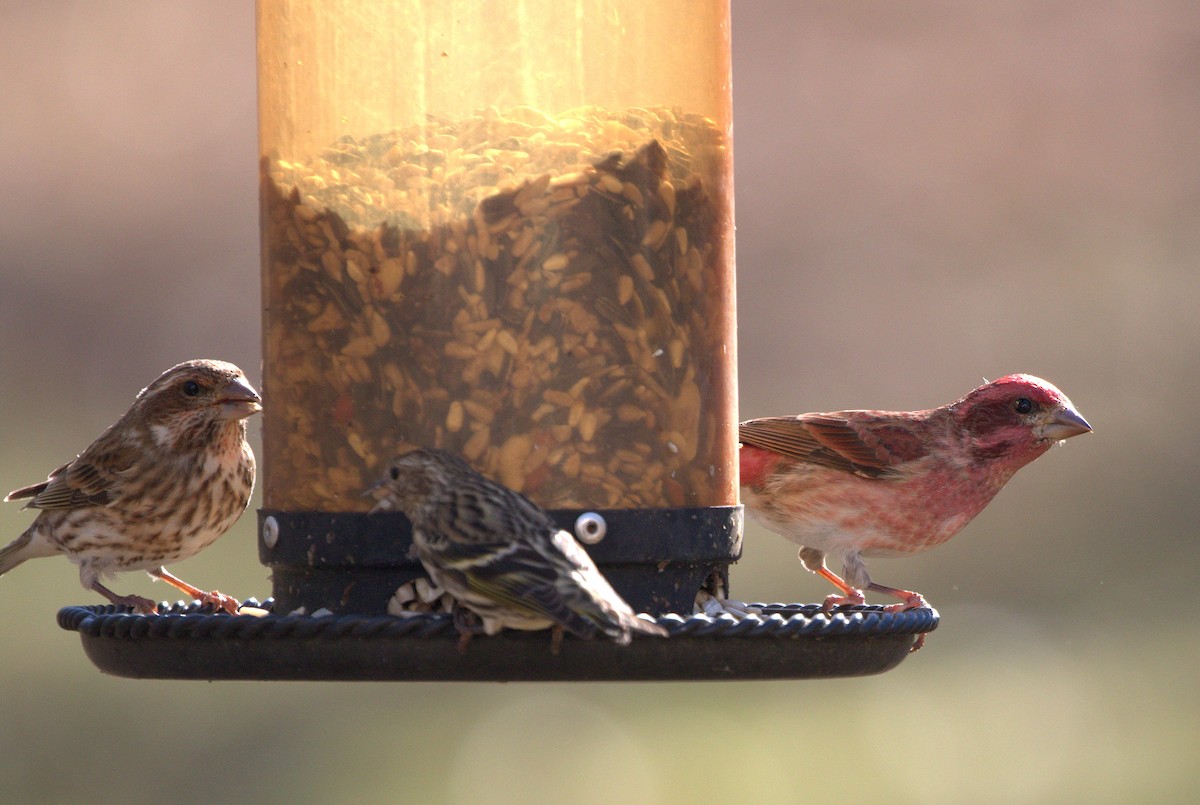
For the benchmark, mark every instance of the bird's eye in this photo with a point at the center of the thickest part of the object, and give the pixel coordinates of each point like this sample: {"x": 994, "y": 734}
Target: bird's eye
{"x": 395, "y": 473}
{"x": 1023, "y": 405}
{"x": 191, "y": 388}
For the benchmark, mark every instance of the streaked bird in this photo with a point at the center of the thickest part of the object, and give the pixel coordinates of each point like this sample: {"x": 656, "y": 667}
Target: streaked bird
{"x": 160, "y": 485}
{"x": 499, "y": 555}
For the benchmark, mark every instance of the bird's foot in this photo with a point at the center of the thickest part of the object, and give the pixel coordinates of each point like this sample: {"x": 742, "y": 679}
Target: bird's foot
{"x": 852, "y": 598}
{"x": 912, "y": 601}
{"x": 219, "y": 601}
{"x": 908, "y": 599}
{"x": 468, "y": 624}
{"x": 139, "y": 605}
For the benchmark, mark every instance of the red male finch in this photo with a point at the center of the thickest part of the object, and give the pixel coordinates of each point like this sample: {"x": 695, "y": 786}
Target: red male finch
{"x": 892, "y": 483}
{"x": 160, "y": 485}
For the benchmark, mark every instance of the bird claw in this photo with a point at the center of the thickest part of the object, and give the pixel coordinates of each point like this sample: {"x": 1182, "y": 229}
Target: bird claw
{"x": 911, "y": 601}
{"x": 853, "y": 598}
{"x": 467, "y": 624}
{"x": 219, "y": 601}
{"x": 139, "y": 605}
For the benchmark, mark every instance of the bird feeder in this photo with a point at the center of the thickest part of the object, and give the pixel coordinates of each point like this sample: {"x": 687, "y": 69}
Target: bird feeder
{"x": 505, "y": 230}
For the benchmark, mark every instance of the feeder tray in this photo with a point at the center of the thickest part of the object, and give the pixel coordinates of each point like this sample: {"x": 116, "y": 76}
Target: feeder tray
{"x": 788, "y": 641}
{"x": 349, "y": 564}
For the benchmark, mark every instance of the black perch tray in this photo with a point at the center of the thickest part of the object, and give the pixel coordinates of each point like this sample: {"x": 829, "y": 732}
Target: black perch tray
{"x": 787, "y": 641}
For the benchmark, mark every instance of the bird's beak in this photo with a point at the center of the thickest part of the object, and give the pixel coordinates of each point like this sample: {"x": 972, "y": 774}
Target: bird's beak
{"x": 238, "y": 400}
{"x": 384, "y": 503}
{"x": 1066, "y": 423}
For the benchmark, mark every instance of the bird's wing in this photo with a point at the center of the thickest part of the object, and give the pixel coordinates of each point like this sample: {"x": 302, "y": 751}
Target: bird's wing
{"x": 530, "y": 577}
{"x": 511, "y": 552}
{"x": 92, "y": 479}
{"x": 860, "y": 442}
{"x": 34, "y": 490}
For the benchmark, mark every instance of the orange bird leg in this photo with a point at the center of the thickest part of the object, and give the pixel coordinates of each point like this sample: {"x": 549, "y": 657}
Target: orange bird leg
{"x": 142, "y": 606}
{"x": 217, "y": 599}
{"x": 911, "y": 601}
{"x": 849, "y": 595}
{"x": 815, "y": 562}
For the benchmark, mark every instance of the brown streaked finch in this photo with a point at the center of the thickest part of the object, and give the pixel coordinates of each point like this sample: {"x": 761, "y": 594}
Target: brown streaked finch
{"x": 161, "y": 484}
{"x": 499, "y": 555}
{"x": 850, "y": 484}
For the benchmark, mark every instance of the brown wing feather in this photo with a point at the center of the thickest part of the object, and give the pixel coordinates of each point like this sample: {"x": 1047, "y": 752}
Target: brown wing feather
{"x": 81, "y": 485}
{"x": 25, "y": 492}
{"x": 92, "y": 479}
{"x": 840, "y": 435}
{"x": 795, "y": 438}
{"x": 868, "y": 445}
{"x": 786, "y": 435}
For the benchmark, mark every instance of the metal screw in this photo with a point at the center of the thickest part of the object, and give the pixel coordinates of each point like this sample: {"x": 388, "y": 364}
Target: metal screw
{"x": 270, "y": 532}
{"x": 590, "y": 528}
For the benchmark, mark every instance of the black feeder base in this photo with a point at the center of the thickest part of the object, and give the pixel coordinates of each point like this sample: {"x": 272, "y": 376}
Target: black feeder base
{"x": 788, "y": 641}
{"x": 351, "y": 563}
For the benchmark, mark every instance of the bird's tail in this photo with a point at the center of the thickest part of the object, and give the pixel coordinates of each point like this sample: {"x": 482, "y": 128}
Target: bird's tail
{"x": 619, "y": 624}
{"x": 22, "y": 548}
{"x": 637, "y": 624}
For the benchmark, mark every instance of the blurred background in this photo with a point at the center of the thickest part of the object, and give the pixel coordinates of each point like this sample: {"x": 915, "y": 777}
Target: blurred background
{"x": 928, "y": 193}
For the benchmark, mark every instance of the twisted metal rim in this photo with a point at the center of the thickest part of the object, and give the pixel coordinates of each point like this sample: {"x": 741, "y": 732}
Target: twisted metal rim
{"x": 191, "y": 621}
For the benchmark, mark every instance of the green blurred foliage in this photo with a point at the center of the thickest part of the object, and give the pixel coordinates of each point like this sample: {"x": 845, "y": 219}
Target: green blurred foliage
{"x": 927, "y": 193}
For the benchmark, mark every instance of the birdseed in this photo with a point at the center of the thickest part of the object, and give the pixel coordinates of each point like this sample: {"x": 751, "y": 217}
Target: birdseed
{"x": 547, "y": 296}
